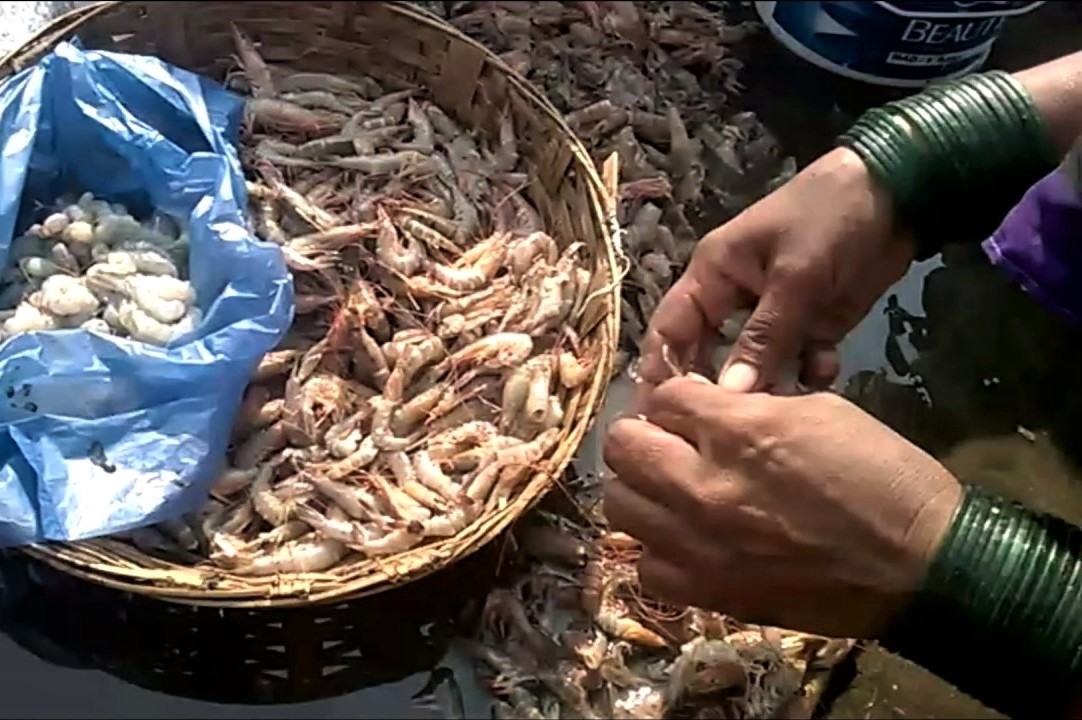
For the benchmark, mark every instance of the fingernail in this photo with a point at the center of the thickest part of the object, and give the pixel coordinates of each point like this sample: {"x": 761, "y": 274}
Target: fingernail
{"x": 740, "y": 377}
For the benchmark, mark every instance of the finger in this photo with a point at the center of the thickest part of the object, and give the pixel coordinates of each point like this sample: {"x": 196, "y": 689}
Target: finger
{"x": 700, "y": 412}
{"x": 649, "y": 522}
{"x": 772, "y": 334}
{"x": 700, "y": 300}
{"x": 654, "y": 463}
{"x": 665, "y": 580}
{"x": 820, "y": 367}
{"x": 677, "y": 406}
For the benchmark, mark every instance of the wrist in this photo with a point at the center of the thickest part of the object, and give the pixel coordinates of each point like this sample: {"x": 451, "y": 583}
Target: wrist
{"x": 848, "y": 164}
{"x": 999, "y": 613}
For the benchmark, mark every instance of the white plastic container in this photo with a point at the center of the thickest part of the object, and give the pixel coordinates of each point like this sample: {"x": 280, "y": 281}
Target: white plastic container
{"x": 897, "y": 44}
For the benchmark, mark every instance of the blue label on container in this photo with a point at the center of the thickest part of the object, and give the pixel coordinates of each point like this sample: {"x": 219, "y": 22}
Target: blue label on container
{"x": 894, "y": 43}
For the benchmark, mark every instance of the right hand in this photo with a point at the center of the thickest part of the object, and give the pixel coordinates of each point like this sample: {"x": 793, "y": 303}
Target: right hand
{"x": 816, "y": 254}
{"x": 828, "y": 518}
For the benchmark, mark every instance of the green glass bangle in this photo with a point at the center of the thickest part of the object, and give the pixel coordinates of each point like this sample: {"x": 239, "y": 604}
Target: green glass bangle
{"x": 882, "y": 145}
{"x": 975, "y": 143}
{"x": 1009, "y": 140}
{"x": 978, "y": 125}
{"x": 944, "y": 163}
{"x": 999, "y": 613}
{"x": 1020, "y": 101}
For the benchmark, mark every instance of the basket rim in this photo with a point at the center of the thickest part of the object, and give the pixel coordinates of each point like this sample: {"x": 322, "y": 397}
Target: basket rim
{"x": 490, "y": 525}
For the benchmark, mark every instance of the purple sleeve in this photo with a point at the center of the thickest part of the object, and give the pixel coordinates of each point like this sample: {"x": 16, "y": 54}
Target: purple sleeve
{"x": 1040, "y": 241}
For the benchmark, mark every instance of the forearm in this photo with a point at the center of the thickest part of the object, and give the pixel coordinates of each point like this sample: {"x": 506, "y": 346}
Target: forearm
{"x": 1056, "y": 90}
{"x": 1000, "y": 612}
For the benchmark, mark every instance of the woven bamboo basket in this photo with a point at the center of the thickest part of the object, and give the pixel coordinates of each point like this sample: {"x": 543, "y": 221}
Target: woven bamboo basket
{"x": 243, "y": 655}
{"x": 395, "y": 43}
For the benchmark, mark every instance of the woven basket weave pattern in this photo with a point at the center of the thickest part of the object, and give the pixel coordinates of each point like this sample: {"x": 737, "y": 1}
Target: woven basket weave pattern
{"x": 402, "y": 47}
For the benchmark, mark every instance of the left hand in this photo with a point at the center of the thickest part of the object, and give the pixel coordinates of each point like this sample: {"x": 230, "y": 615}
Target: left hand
{"x": 802, "y": 512}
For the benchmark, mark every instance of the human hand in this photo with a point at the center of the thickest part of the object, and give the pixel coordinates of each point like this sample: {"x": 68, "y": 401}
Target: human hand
{"x": 817, "y": 253}
{"x": 802, "y": 512}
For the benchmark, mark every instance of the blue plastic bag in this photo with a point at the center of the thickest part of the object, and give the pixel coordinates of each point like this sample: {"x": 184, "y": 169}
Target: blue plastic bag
{"x": 101, "y": 434}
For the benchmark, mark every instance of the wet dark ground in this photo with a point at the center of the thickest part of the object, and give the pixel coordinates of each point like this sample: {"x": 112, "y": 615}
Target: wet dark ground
{"x": 1000, "y": 374}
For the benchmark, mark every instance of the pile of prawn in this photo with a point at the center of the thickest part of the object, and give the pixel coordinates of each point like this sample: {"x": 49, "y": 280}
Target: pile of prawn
{"x": 651, "y": 82}
{"x": 421, "y": 382}
{"x": 573, "y": 636}
{"x": 89, "y": 264}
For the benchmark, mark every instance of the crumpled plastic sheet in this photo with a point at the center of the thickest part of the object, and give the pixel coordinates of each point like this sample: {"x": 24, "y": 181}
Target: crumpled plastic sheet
{"x": 101, "y": 434}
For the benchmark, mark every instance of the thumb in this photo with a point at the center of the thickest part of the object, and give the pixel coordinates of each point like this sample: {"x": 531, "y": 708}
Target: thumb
{"x": 771, "y": 335}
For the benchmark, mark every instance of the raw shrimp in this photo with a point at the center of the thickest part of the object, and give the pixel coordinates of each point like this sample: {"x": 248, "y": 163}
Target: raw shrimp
{"x": 232, "y": 480}
{"x": 260, "y": 446}
{"x": 406, "y": 477}
{"x": 474, "y": 458}
{"x": 55, "y": 224}
{"x": 494, "y": 352}
{"x": 255, "y": 69}
{"x": 308, "y": 81}
{"x": 299, "y": 556}
{"x": 464, "y": 325}
{"x": 499, "y": 477}
{"x": 480, "y": 269}
{"x": 705, "y": 667}
{"x": 321, "y": 100}
{"x": 401, "y": 504}
{"x": 392, "y": 542}
{"x": 257, "y": 414}
{"x": 429, "y": 473}
{"x": 424, "y": 135}
{"x": 413, "y": 413}
{"x": 344, "y": 438}
{"x": 275, "y": 364}
{"x": 448, "y": 443}
{"x": 335, "y": 525}
{"x": 609, "y": 613}
{"x": 572, "y": 371}
{"x": 524, "y": 252}
{"x": 402, "y": 258}
{"x": 382, "y": 429}
{"x": 355, "y": 501}
{"x": 266, "y": 502}
{"x": 285, "y": 116}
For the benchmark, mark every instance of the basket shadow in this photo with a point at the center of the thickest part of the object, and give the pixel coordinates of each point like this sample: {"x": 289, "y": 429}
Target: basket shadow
{"x": 248, "y": 657}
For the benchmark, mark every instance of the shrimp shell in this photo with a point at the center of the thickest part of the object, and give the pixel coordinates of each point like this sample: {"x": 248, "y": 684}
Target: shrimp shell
{"x": 537, "y": 396}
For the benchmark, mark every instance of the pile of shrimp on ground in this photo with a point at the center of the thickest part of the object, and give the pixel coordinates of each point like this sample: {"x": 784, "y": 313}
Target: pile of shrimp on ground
{"x": 653, "y": 83}
{"x": 422, "y": 376}
{"x": 572, "y": 636}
